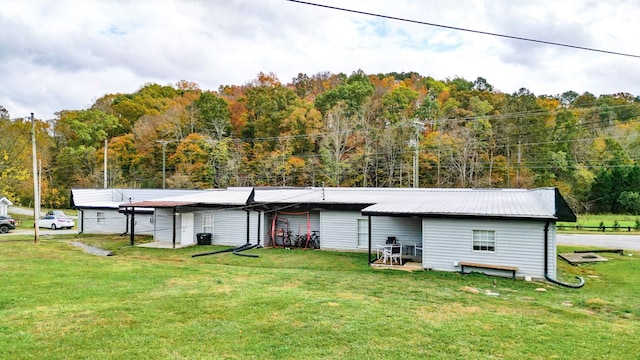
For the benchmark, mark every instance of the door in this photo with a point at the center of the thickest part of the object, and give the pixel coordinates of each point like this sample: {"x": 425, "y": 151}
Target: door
{"x": 187, "y": 237}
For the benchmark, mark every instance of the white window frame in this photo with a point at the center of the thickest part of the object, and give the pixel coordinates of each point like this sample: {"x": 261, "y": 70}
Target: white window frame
{"x": 207, "y": 223}
{"x": 100, "y": 217}
{"x": 363, "y": 233}
{"x": 483, "y": 241}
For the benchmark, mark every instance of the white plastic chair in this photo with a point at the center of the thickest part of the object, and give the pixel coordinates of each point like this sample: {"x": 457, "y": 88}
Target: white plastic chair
{"x": 417, "y": 247}
{"x": 393, "y": 252}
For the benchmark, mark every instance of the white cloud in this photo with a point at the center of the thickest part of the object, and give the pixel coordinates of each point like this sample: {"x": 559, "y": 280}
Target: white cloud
{"x": 64, "y": 54}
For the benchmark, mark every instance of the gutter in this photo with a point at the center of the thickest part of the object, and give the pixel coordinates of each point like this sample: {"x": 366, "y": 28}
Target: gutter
{"x": 546, "y": 264}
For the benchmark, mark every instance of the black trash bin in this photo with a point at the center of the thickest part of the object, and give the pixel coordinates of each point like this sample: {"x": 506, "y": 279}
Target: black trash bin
{"x": 204, "y": 238}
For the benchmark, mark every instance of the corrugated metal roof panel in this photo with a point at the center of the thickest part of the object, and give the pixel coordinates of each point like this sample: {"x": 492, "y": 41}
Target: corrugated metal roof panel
{"x": 112, "y": 198}
{"x": 517, "y": 203}
{"x": 237, "y": 196}
{"x": 468, "y": 202}
{"x": 331, "y": 195}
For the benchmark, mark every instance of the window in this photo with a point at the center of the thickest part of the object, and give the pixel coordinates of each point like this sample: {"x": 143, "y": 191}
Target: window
{"x": 207, "y": 223}
{"x": 363, "y": 232}
{"x": 100, "y": 218}
{"x": 484, "y": 240}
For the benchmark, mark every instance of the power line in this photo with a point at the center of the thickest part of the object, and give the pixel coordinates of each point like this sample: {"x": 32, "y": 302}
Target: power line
{"x": 466, "y": 30}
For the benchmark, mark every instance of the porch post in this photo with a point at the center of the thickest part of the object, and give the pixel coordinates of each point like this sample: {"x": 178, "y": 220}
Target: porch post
{"x": 369, "y": 234}
{"x": 133, "y": 222}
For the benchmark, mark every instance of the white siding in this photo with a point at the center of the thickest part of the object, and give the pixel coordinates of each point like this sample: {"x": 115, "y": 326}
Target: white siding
{"x": 519, "y": 243}
{"x": 144, "y": 224}
{"x": 340, "y": 230}
{"x": 407, "y": 231}
{"x": 297, "y": 224}
{"x": 254, "y": 231}
{"x": 164, "y": 226}
{"x": 552, "y": 251}
{"x": 230, "y": 227}
{"x": 114, "y": 222}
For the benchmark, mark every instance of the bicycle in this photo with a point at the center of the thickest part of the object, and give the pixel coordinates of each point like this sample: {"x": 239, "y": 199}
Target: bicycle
{"x": 313, "y": 242}
{"x": 289, "y": 239}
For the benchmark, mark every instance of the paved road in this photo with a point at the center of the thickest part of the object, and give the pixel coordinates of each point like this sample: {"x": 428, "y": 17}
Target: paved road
{"x": 607, "y": 241}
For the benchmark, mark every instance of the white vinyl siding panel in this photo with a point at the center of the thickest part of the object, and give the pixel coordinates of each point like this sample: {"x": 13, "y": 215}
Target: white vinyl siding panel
{"x": 254, "y": 232}
{"x": 230, "y": 227}
{"x": 164, "y": 225}
{"x": 297, "y": 224}
{"x": 340, "y": 230}
{"x": 407, "y": 231}
{"x": 143, "y": 224}
{"x": 519, "y": 243}
{"x": 114, "y": 222}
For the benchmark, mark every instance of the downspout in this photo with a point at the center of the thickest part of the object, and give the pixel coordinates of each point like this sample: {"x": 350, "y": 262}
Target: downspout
{"x": 133, "y": 225}
{"x": 173, "y": 215}
{"x": 126, "y": 224}
{"x": 259, "y": 230}
{"x": 81, "y": 222}
{"x": 248, "y": 228}
{"x": 546, "y": 264}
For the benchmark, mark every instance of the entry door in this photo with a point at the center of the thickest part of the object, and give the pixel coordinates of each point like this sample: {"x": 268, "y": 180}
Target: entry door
{"x": 187, "y": 229}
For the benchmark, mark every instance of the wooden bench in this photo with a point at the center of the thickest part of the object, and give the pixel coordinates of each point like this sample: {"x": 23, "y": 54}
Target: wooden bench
{"x": 513, "y": 269}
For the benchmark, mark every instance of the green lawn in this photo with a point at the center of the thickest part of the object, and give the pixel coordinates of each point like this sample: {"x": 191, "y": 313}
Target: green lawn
{"x": 57, "y": 302}
{"x": 624, "y": 222}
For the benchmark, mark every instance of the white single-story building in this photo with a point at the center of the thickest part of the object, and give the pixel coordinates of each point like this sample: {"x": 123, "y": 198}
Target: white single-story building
{"x": 486, "y": 230}
{"x": 4, "y": 206}
{"x": 224, "y": 215}
{"x": 503, "y": 228}
{"x": 99, "y": 209}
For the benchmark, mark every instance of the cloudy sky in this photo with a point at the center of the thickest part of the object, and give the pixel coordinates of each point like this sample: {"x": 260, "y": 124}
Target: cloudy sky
{"x": 64, "y": 54}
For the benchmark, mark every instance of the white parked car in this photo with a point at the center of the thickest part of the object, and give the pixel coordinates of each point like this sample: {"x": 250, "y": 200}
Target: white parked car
{"x": 56, "y": 222}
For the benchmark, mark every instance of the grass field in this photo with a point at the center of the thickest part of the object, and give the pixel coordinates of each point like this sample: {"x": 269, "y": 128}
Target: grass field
{"x": 623, "y": 221}
{"x": 57, "y": 302}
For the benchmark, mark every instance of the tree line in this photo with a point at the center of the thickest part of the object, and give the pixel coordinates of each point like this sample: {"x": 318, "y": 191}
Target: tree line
{"x": 360, "y": 130}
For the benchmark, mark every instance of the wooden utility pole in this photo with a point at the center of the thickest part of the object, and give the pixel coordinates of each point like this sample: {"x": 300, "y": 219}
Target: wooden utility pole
{"x": 164, "y": 148}
{"x": 36, "y": 188}
{"x": 106, "y": 182}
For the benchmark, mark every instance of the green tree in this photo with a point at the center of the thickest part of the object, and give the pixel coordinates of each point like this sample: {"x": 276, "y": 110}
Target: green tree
{"x": 267, "y": 107}
{"x": 213, "y": 115}
{"x": 354, "y": 94}
{"x": 85, "y": 127}
{"x": 399, "y": 104}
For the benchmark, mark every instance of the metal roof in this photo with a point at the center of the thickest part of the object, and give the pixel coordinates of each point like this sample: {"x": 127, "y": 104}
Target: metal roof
{"x": 543, "y": 203}
{"x": 235, "y": 197}
{"x": 512, "y": 203}
{"x": 112, "y": 198}
{"x": 508, "y": 203}
{"x": 317, "y": 195}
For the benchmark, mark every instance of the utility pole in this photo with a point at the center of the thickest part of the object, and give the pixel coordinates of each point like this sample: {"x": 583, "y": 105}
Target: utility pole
{"x": 415, "y": 163}
{"x": 416, "y": 176}
{"x": 36, "y": 188}
{"x": 105, "y": 164}
{"x": 164, "y": 148}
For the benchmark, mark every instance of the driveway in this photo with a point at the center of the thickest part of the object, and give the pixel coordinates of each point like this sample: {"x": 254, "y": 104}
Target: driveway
{"x": 41, "y": 232}
{"x": 607, "y": 241}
